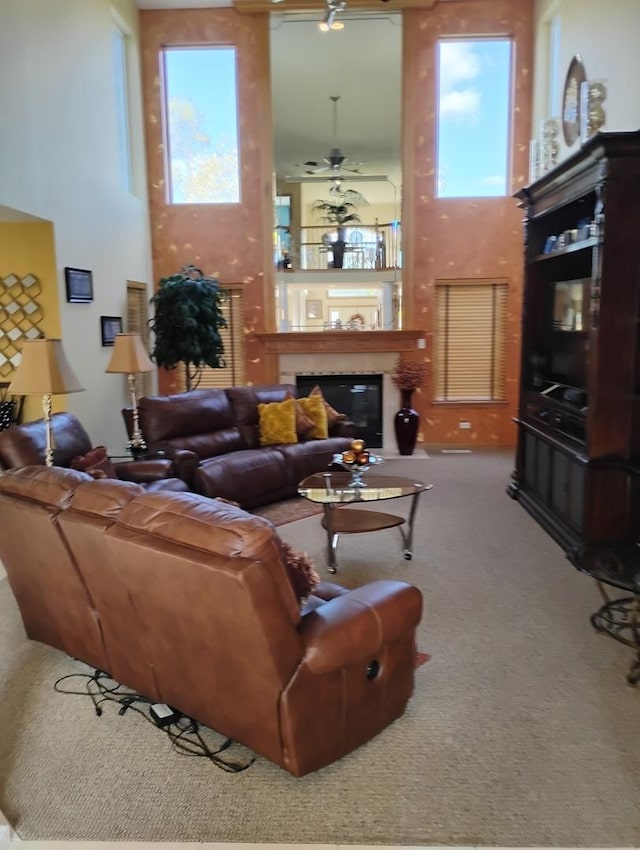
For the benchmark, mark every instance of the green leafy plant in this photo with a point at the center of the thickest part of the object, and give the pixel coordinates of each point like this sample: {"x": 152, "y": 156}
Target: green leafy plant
{"x": 187, "y": 322}
{"x": 340, "y": 209}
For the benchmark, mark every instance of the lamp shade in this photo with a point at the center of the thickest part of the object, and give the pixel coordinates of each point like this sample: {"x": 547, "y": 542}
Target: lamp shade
{"x": 44, "y": 370}
{"x": 129, "y": 355}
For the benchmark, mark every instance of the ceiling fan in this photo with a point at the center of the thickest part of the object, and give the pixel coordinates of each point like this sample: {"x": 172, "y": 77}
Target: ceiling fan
{"x": 336, "y": 159}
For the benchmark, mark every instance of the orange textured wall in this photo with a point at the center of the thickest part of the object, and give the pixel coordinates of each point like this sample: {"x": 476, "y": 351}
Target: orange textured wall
{"x": 229, "y": 241}
{"x": 462, "y": 238}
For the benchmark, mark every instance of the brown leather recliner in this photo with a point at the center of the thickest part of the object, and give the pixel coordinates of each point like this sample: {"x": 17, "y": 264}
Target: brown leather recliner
{"x": 25, "y": 445}
{"x": 199, "y": 591}
{"x": 55, "y": 604}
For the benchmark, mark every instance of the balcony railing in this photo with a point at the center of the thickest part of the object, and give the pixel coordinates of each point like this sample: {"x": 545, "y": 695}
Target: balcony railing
{"x": 368, "y": 246}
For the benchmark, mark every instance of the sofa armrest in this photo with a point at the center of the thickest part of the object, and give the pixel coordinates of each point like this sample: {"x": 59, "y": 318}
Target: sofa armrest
{"x": 185, "y": 462}
{"x": 343, "y": 428}
{"x": 357, "y": 625}
{"x": 145, "y": 471}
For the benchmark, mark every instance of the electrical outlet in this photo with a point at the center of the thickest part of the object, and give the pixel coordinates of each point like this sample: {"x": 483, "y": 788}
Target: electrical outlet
{"x": 464, "y": 425}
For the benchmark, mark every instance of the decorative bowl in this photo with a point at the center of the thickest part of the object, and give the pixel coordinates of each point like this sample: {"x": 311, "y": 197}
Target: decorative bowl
{"x": 357, "y": 469}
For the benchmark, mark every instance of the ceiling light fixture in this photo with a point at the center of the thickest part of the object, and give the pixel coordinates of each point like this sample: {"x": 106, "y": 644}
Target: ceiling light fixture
{"x": 329, "y": 22}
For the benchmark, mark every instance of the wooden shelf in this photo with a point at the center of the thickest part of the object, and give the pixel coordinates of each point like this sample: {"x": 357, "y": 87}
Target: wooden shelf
{"x": 591, "y": 242}
{"x": 330, "y": 342}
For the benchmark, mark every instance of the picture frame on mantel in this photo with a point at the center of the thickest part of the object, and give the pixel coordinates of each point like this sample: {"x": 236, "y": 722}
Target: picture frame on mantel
{"x": 79, "y": 283}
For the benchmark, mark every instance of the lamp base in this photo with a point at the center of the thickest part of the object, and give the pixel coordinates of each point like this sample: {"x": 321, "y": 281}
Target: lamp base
{"x": 138, "y": 450}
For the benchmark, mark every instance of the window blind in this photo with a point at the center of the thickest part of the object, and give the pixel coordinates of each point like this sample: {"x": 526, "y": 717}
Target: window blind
{"x": 233, "y": 373}
{"x": 470, "y": 340}
{"x": 138, "y": 322}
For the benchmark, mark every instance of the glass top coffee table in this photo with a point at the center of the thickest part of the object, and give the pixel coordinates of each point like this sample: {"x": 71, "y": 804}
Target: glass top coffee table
{"x": 331, "y": 489}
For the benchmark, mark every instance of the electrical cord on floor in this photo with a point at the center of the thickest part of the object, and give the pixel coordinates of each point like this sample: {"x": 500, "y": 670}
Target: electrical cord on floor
{"x": 184, "y": 733}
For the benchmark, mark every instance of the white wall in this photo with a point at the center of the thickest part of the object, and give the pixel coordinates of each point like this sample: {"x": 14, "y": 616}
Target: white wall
{"x": 606, "y": 36}
{"x": 59, "y": 161}
{"x": 384, "y": 201}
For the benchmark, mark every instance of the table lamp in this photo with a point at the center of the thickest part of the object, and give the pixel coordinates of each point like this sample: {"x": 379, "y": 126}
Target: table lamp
{"x": 44, "y": 370}
{"x": 129, "y": 356}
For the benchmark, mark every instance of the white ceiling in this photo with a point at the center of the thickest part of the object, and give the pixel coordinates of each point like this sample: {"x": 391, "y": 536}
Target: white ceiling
{"x": 360, "y": 63}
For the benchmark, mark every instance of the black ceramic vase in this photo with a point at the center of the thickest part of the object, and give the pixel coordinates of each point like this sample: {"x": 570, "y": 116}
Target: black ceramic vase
{"x": 406, "y": 423}
{"x": 337, "y": 249}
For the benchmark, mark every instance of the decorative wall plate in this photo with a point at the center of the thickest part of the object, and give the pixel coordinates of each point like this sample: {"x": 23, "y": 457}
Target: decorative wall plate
{"x": 576, "y": 75}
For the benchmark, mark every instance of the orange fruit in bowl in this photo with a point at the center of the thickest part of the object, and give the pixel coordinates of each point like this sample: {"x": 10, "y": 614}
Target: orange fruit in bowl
{"x": 348, "y": 457}
{"x": 357, "y": 445}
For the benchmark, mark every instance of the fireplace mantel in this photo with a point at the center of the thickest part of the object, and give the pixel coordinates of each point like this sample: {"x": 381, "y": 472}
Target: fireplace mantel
{"x": 334, "y": 342}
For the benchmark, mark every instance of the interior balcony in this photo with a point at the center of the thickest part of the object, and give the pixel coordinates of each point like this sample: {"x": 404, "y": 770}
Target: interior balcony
{"x": 324, "y": 286}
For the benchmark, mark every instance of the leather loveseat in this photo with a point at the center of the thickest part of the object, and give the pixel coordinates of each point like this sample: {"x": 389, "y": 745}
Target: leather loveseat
{"x": 24, "y": 445}
{"x": 188, "y": 601}
{"x": 213, "y": 437}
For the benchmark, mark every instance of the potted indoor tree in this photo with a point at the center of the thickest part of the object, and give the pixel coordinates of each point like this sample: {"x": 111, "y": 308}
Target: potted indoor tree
{"x": 339, "y": 211}
{"x": 187, "y": 322}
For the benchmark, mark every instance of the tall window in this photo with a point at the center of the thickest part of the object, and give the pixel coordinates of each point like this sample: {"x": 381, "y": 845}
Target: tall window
{"x": 119, "y": 52}
{"x": 470, "y": 340}
{"x": 554, "y": 85}
{"x": 201, "y": 125}
{"x": 474, "y": 95}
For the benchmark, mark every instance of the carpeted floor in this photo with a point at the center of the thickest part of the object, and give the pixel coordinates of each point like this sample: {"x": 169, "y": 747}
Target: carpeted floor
{"x": 522, "y": 730}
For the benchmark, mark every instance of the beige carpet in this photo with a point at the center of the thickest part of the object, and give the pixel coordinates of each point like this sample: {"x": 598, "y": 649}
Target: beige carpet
{"x": 522, "y": 730}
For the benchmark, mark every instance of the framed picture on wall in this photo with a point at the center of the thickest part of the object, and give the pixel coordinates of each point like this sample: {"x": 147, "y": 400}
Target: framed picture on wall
{"x": 79, "y": 285}
{"x": 314, "y": 309}
{"x": 110, "y": 326}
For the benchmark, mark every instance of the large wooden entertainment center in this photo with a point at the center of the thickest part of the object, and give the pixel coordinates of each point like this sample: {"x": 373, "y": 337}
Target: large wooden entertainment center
{"x": 578, "y": 456}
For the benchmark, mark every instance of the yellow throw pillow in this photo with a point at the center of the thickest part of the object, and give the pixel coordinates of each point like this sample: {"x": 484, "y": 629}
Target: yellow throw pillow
{"x": 315, "y": 409}
{"x": 277, "y": 422}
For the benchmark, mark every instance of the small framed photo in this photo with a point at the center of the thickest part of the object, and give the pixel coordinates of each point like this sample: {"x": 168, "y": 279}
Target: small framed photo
{"x": 314, "y": 309}
{"x": 79, "y": 285}
{"x": 110, "y": 326}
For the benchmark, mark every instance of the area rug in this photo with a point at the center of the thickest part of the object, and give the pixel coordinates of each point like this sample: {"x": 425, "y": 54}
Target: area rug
{"x": 289, "y": 510}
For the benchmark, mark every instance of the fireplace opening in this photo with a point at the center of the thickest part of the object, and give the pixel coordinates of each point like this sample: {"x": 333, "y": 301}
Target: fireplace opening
{"x": 358, "y": 396}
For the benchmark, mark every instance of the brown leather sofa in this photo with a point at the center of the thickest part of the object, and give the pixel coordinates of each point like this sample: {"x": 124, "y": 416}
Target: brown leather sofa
{"x": 25, "y": 445}
{"x": 188, "y": 601}
{"x": 213, "y": 438}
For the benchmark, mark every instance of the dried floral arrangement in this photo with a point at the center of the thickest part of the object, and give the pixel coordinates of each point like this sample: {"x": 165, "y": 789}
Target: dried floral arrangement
{"x": 409, "y": 374}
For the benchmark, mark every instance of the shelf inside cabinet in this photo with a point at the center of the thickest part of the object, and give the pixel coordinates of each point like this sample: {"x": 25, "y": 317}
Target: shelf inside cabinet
{"x": 583, "y": 245}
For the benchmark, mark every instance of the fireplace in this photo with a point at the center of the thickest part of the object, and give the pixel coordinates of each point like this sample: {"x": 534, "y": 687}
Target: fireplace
{"x": 358, "y": 396}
